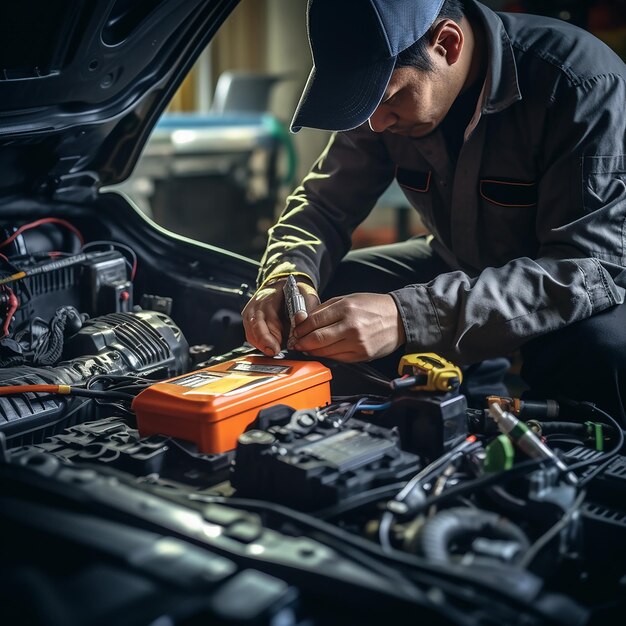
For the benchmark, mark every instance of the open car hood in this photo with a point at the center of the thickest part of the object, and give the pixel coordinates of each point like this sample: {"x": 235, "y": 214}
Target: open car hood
{"x": 82, "y": 83}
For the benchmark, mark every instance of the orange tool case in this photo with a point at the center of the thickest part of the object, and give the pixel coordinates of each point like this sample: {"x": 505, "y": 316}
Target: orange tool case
{"x": 213, "y": 406}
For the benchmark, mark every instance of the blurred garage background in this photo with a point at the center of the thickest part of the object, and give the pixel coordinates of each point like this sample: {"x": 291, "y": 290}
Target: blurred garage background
{"x": 221, "y": 161}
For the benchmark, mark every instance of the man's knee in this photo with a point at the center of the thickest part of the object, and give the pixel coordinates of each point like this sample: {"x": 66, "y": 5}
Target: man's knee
{"x": 381, "y": 269}
{"x": 599, "y": 341}
{"x": 584, "y": 361}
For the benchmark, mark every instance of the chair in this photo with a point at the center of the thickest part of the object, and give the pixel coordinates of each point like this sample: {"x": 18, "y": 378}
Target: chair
{"x": 244, "y": 92}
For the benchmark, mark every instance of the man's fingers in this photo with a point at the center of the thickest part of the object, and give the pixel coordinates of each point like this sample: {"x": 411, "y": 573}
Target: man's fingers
{"x": 320, "y": 338}
{"x": 263, "y": 318}
{"x": 300, "y": 316}
{"x": 339, "y": 351}
{"x": 320, "y": 317}
{"x": 262, "y": 333}
{"x": 311, "y": 300}
{"x": 322, "y": 328}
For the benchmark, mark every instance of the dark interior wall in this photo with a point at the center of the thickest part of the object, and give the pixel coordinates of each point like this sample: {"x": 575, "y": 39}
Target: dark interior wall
{"x": 604, "y": 18}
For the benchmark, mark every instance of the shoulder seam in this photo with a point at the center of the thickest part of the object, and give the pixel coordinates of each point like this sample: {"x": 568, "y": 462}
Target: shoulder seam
{"x": 573, "y": 78}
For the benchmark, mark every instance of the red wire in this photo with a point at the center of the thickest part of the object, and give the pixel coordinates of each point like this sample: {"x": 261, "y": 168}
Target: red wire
{"x": 13, "y": 389}
{"x": 45, "y": 220}
{"x": 14, "y": 304}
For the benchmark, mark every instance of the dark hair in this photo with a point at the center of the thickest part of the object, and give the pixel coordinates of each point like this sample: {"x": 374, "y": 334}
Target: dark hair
{"x": 416, "y": 55}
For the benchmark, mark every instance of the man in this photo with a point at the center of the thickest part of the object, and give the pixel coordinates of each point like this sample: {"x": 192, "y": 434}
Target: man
{"x": 506, "y": 132}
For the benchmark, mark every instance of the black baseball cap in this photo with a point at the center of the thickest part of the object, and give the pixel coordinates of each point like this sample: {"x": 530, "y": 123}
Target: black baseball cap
{"x": 354, "y": 45}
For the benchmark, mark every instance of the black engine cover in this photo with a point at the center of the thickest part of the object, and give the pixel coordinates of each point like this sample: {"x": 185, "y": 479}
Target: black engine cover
{"x": 145, "y": 343}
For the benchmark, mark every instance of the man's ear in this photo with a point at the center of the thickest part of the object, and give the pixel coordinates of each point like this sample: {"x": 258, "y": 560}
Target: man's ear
{"x": 446, "y": 41}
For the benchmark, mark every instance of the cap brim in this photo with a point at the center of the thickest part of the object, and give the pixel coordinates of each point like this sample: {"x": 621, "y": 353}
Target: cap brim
{"x": 336, "y": 100}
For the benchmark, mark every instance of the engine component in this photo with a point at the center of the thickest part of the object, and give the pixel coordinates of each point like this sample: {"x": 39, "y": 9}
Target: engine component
{"x": 499, "y": 455}
{"x": 41, "y": 343}
{"x": 485, "y": 534}
{"x": 527, "y": 409}
{"x": 97, "y": 285}
{"x": 311, "y": 463}
{"x": 213, "y": 406}
{"x": 112, "y": 442}
{"x": 49, "y": 266}
{"x": 163, "y": 304}
{"x": 145, "y": 343}
{"x": 526, "y": 440}
{"x": 428, "y": 424}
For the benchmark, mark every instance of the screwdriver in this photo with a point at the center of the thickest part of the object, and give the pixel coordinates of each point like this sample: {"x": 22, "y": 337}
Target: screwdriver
{"x": 526, "y": 440}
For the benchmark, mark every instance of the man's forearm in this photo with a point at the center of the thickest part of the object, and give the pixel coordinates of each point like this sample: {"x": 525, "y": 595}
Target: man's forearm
{"x": 468, "y": 320}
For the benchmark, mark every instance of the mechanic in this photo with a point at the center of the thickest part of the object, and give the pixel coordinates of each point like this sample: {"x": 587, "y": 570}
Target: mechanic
{"x": 506, "y": 132}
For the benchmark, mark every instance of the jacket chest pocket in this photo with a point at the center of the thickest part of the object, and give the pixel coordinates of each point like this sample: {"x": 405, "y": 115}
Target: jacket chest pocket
{"x": 412, "y": 180}
{"x": 416, "y": 185}
{"x": 507, "y": 218}
{"x": 508, "y": 193}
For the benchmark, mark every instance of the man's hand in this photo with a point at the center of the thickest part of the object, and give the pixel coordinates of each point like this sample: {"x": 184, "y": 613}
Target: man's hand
{"x": 358, "y": 327}
{"x": 264, "y": 318}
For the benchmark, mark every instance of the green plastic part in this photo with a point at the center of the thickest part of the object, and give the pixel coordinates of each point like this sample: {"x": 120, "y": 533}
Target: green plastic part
{"x": 599, "y": 437}
{"x": 596, "y": 432}
{"x": 499, "y": 455}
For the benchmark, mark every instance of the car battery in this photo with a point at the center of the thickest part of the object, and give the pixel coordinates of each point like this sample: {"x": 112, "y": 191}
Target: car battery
{"x": 211, "y": 407}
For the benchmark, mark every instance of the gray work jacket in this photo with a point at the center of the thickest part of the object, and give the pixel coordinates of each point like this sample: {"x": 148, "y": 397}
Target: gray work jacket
{"x": 531, "y": 217}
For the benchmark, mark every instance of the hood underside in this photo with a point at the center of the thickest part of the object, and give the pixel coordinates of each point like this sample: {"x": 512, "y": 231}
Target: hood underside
{"x": 82, "y": 83}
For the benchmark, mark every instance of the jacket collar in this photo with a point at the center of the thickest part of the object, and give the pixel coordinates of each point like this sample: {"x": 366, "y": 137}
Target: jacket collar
{"x": 501, "y": 87}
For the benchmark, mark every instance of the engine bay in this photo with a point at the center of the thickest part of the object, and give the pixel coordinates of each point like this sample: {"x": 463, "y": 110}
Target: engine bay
{"x": 157, "y": 470}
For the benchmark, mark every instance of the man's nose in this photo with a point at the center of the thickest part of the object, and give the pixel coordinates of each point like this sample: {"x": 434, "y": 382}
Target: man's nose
{"x": 381, "y": 119}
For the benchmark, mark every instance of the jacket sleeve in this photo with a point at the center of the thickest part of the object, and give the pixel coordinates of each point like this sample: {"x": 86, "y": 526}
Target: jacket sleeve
{"x": 581, "y": 233}
{"x": 314, "y": 231}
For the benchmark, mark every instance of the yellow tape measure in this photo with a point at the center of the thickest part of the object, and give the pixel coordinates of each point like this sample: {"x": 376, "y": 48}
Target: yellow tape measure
{"x": 432, "y": 372}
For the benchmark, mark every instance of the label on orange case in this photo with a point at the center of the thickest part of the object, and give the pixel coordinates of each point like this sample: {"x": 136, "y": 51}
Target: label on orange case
{"x": 197, "y": 380}
{"x": 223, "y": 383}
{"x": 255, "y": 368}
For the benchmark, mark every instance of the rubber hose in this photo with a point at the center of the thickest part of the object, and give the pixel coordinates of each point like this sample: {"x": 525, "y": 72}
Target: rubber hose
{"x": 566, "y": 428}
{"x": 443, "y": 529}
